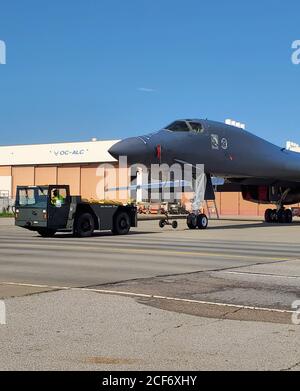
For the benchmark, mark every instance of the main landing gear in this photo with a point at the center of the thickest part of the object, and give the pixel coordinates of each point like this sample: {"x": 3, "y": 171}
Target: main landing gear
{"x": 282, "y": 216}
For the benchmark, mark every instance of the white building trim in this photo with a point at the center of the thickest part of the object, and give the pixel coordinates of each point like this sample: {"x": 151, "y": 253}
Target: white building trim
{"x": 61, "y": 153}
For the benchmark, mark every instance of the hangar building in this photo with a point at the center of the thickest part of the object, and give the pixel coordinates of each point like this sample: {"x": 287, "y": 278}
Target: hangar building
{"x": 77, "y": 164}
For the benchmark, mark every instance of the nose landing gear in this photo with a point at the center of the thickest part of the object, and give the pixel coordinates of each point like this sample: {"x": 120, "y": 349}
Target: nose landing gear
{"x": 197, "y": 221}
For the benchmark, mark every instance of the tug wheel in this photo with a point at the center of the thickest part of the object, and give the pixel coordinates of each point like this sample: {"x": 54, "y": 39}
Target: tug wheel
{"x": 85, "y": 225}
{"x": 121, "y": 224}
{"x": 46, "y": 233}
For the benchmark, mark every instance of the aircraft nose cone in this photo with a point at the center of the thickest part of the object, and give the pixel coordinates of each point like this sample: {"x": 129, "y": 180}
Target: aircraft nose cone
{"x": 135, "y": 149}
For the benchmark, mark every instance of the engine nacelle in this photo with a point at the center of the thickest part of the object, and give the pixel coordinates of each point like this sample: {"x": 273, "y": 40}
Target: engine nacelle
{"x": 257, "y": 194}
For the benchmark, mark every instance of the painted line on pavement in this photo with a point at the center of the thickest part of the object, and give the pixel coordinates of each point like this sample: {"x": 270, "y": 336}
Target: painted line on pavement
{"x": 263, "y": 275}
{"x": 143, "y": 295}
{"x": 150, "y": 251}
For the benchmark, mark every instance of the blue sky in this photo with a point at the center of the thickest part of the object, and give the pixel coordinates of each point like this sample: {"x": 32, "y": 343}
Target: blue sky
{"x": 114, "y": 68}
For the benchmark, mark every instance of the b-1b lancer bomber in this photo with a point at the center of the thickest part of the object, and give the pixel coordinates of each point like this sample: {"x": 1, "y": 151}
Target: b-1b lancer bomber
{"x": 262, "y": 171}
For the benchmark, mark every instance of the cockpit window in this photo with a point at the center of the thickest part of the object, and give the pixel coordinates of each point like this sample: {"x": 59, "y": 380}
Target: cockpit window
{"x": 183, "y": 126}
{"x": 197, "y": 127}
{"x": 178, "y": 126}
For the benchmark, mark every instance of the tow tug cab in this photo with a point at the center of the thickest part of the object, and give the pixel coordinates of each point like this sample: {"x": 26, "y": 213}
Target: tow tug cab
{"x": 51, "y": 209}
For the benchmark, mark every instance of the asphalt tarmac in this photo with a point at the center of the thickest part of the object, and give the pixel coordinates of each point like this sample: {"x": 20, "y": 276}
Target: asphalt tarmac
{"x": 246, "y": 273}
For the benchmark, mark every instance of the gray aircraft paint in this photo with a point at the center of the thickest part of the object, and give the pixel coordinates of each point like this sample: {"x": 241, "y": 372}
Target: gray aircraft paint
{"x": 225, "y": 150}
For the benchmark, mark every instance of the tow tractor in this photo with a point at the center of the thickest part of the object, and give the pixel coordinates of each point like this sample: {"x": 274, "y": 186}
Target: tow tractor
{"x": 51, "y": 209}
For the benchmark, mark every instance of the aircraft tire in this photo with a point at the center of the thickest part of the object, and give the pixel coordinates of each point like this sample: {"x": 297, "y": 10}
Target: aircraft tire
{"x": 274, "y": 216}
{"x": 202, "y": 221}
{"x": 191, "y": 221}
{"x": 268, "y": 214}
{"x": 281, "y": 216}
{"x": 288, "y": 216}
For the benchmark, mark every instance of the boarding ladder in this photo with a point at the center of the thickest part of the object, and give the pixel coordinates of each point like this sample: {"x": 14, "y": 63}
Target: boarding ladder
{"x": 211, "y": 206}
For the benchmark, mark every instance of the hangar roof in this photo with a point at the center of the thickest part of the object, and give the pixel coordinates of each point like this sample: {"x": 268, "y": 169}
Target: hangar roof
{"x": 60, "y": 153}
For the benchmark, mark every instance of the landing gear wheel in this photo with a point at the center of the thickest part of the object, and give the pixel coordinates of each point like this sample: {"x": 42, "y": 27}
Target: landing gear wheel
{"x": 191, "y": 221}
{"x": 121, "y": 224}
{"x": 288, "y": 216}
{"x": 281, "y": 216}
{"x": 46, "y": 233}
{"x": 268, "y": 215}
{"x": 162, "y": 223}
{"x": 174, "y": 224}
{"x": 202, "y": 221}
{"x": 85, "y": 225}
{"x": 274, "y": 216}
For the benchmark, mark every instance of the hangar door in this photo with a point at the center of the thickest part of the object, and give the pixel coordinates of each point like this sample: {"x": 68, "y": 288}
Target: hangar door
{"x": 5, "y": 186}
